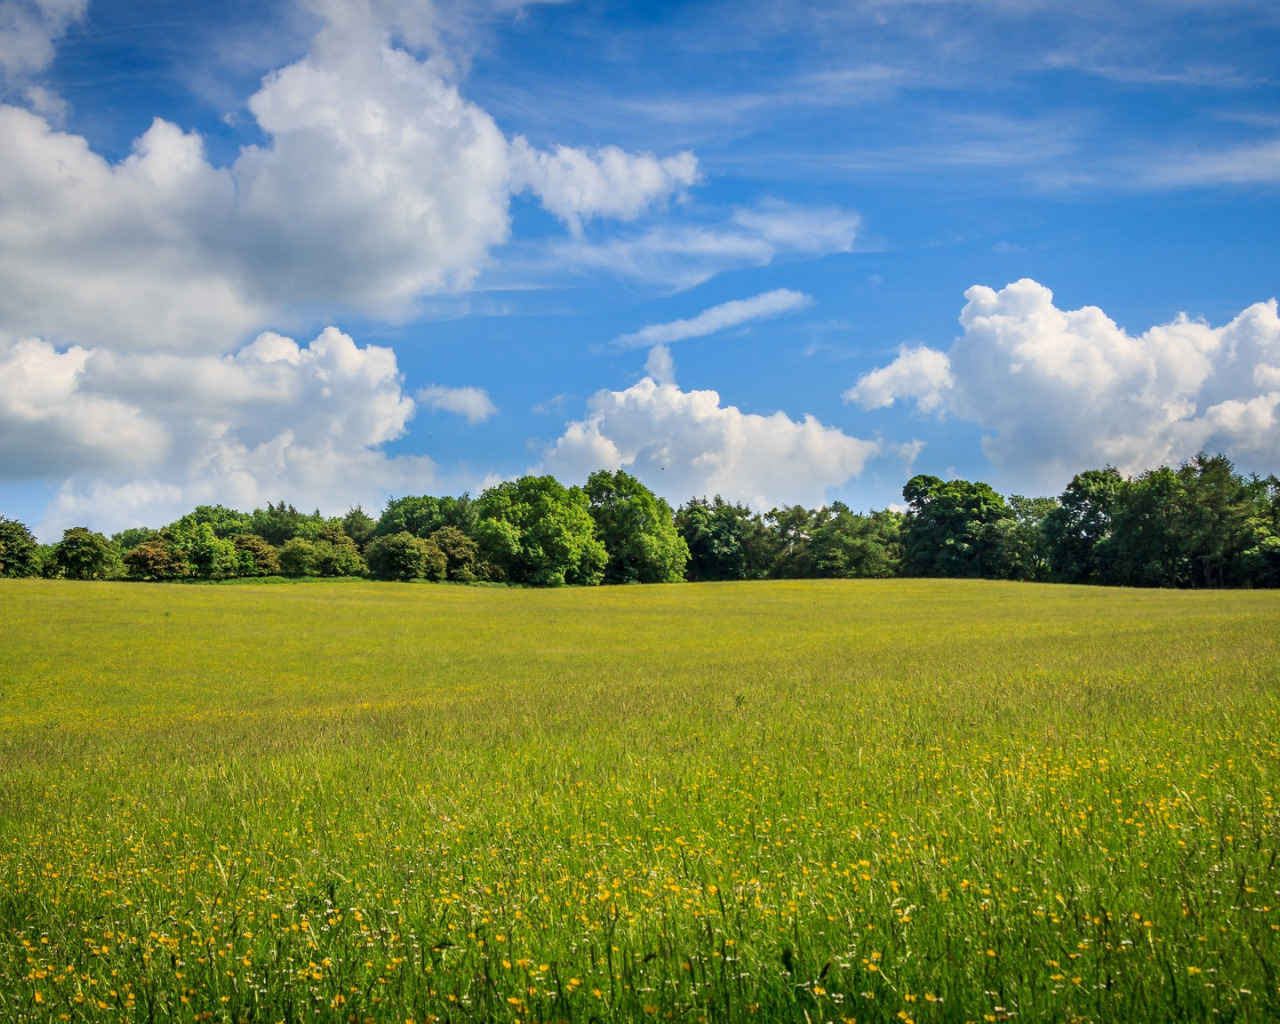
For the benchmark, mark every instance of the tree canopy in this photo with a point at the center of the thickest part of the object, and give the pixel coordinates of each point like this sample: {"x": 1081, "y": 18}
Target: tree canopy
{"x": 1200, "y": 524}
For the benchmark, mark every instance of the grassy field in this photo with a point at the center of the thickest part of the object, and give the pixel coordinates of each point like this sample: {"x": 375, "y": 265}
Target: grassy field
{"x": 871, "y": 801}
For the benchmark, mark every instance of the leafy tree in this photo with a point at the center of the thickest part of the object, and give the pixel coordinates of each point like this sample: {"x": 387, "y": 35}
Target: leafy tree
{"x": 19, "y": 552}
{"x": 637, "y": 529}
{"x": 462, "y": 556}
{"x": 1216, "y": 519}
{"x": 1258, "y": 565}
{"x": 951, "y": 528}
{"x": 226, "y": 523}
{"x": 132, "y": 537}
{"x": 1078, "y": 532}
{"x": 275, "y": 524}
{"x": 298, "y": 557}
{"x": 83, "y": 554}
{"x": 255, "y": 557}
{"x": 157, "y": 558}
{"x": 336, "y": 554}
{"x": 418, "y": 515}
{"x": 844, "y": 545}
{"x": 726, "y": 541}
{"x": 402, "y": 556}
{"x": 211, "y": 556}
{"x": 358, "y": 526}
{"x": 540, "y": 532}
{"x": 422, "y": 515}
{"x": 1023, "y": 549}
{"x": 790, "y": 534}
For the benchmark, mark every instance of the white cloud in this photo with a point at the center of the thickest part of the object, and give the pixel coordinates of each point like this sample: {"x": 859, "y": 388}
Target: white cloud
{"x": 576, "y": 185}
{"x": 1060, "y": 391}
{"x": 684, "y": 443}
{"x": 660, "y": 366}
{"x": 682, "y": 257}
{"x": 28, "y": 30}
{"x": 143, "y": 437}
{"x": 718, "y": 318}
{"x": 378, "y": 184}
{"x": 920, "y": 373}
{"x": 1252, "y": 164}
{"x": 473, "y": 403}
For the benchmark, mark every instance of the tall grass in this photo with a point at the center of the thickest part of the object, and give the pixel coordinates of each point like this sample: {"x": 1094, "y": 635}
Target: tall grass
{"x": 875, "y": 801}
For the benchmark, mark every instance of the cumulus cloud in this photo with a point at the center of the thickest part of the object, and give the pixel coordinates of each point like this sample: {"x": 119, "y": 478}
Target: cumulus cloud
{"x": 923, "y": 374}
{"x": 576, "y": 185}
{"x": 141, "y": 437}
{"x": 718, "y": 318}
{"x": 473, "y": 403}
{"x": 683, "y": 443}
{"x": 1065, "y": 390}
{"x": 378, "y": 183}
{"x": 28, "y": 31}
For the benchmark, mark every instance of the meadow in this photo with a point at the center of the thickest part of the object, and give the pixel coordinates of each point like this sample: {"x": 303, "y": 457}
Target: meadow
{"x": 814, "y": 801}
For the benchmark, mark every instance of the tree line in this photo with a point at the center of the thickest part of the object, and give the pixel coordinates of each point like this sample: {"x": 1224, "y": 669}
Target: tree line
{"x": 1202, "y": 524}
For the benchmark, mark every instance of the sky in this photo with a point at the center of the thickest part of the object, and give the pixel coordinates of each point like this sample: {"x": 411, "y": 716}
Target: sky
{"x": 335, "y": 251}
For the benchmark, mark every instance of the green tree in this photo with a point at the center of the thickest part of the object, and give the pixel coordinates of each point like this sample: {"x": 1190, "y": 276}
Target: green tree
{"x": 132, "y": 537}
{"x": 211, "y": 557}
{"x": 157, "y": 558}
{"x": 845, "y": 545}
{"x": 951, "y": 528}
{"x": 84, "y": 554}
{"x": 276, "y": 524}
{"x": 422, "y": 515}
{"x": 727, "y": 541}
{"x": 19, "y": 552}
{"x": 402, "y": 556}
{"x": 1078, "y": 532}
{"x": 790, "y": 534}
{"x": 226, "y": 523}
{"x": 464, "y": 563}
{"x": 541, "y": 533}
{"x": 637, "y": 529}
{"x": 1023, "y": 548}
{"x": 298, "y": 557}
{"x": 359, "y": 526}
{"x": 255, "y": 557}
{"x": 336, "y": 554}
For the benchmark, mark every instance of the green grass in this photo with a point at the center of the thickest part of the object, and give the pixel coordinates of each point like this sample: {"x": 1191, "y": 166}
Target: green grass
{"x": 871, "y": 801}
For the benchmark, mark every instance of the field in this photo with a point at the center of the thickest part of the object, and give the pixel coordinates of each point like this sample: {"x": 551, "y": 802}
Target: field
{"x": 871, "y": 801}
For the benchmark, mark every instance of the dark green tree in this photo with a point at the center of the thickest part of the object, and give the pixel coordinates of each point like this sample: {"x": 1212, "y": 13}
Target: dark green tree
{"x": 402, "y": 556}
{"x": 84, "y": 554}
{"x": 845, "y": 545}
{"x": 19, "y": 552}
{"x": 1023, "y": 549}
{"x": 464, "y": 563}
{"x": 952, "y": 528}
{"x": 790, "y": 533}
{"x": 132, "y": 537}
{"x": 540, "y": 533}
{"x": 336, "y": 554}
{"x": 275, "y": 524}
{"x": 727, "y": 541}
{"x": 1078, "y": 532}
{"x": 359, "y": 526}
{"x": 637, "y": 529}
{"x": 422, "y": 515}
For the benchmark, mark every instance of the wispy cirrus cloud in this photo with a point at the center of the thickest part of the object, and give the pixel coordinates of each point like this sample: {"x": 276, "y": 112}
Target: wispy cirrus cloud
{"x": 717, "y": 318}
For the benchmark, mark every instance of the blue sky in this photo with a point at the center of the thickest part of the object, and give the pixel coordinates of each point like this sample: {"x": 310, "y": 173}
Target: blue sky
{"x": 336, "y": 250}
